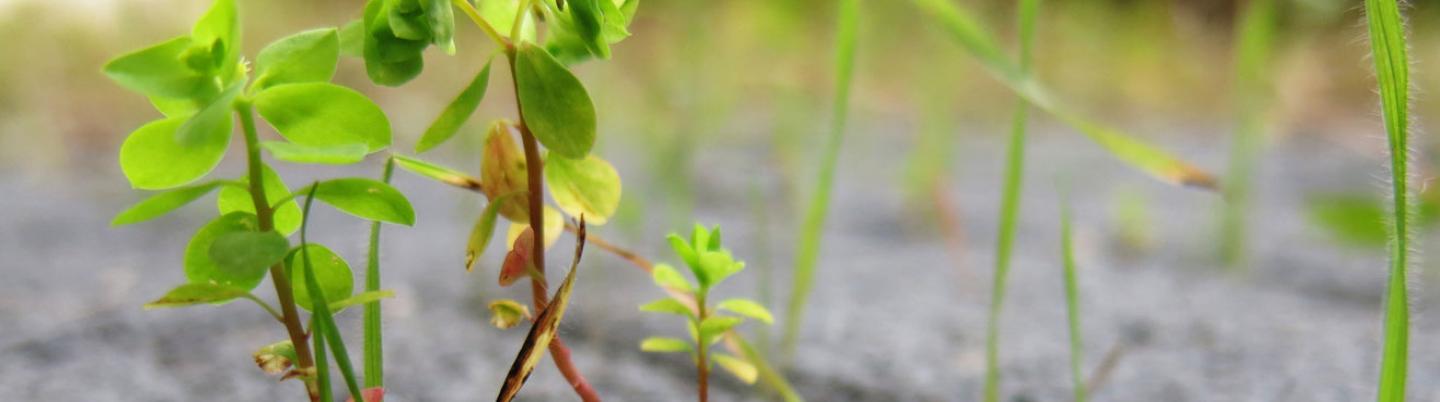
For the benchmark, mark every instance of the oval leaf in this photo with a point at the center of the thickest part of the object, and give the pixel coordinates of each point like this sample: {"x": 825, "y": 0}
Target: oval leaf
{"x": 237, "y": 199}
{"x": 748, "y": 308}
{"x": 163, "y": 203}
{"x": 323, "y": 114}
{"x": 556, "y": 108}
{"x": 248, "y": 253}
{"x": 588, "y": 187}
{"x": 159, "y": 71}
{"x": 326, "y": 155}
{"x": 741, "y": 369}
{"x": 153, "y": 159}
{"x": 196, "y": 293}
{"x": 457, "y": 112}
{"x": 201, "y": 268}
{"x": 366, "y": 198}
{"x": 664, "y": 345}
{"x": 334, "y": 275}
{"x": 308, "y": 56}
{"x": 667, "y": 306}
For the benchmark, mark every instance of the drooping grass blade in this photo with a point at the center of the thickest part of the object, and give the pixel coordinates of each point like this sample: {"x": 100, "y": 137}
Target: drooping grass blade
{"x": 808, "y": 251}
{"x": 1387, "y": 41}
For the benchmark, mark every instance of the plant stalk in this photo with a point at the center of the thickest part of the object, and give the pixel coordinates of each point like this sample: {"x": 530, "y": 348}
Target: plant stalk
{"x": 374, "y": 347}
{"x": 290, "y": 316}
{"x": 701, "y": 366}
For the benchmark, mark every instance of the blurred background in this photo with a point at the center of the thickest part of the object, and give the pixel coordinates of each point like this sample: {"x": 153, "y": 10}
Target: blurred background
{"x": 715, "y": 111}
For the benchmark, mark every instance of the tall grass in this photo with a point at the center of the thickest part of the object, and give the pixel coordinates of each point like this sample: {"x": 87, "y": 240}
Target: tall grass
{"x": 1072, "y": 300}
{"x": 1252, "y": 91}
{"x": 1009, "y": 206}
{"x": 809, "y": 247}
{"x": 1387, "y": 41}
{"x": 374, "y": 347}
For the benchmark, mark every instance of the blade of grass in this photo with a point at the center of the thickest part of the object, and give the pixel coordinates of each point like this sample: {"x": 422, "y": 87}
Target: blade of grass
{"x": 324, "y": 320}
{"x": 1387, "y": 41}
{"x": 809, "y": 247}
{"x": 1072, "y": 298}
{"x": 972, "y": 36}
{"x": 322, "y": 363}
{"x": 374, "y": 348}
{"x": 1009, "y": 207}
{"x": 1252, "y": 98}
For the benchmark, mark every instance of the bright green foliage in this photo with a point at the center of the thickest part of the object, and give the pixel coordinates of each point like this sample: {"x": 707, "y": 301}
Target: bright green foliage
{"x": 217, "y": 34}
{"x": 308, "y": 56}
{"x": 1387, "y": 40}
{"x": 201, "y": 268}
{"x": 162, "y": 203}
{"x": 397, "y": 33}
{"x": 1072, "y": 303}
{"x": 974, "y": 38}
{"x": 154, "y": 159}
{"x": 439, "y": 173}
{"x": 212, "y": 123}
{"x": 588, "y": 187}
{"x": 555, "y": 106}
{"x": 586, "y": 28}
{"x": 237, "y": 199}
{"x": 344, "y": 154}
{"x": 158, "y": 71}
{"x": 197, "y": 293}
{"x": 807, "y": 253}
{"x": 335, "y": 277}
{"x": 367, "y": 198}
{"x": 709, "y": 263}
{"x": 501, "y": 15}
{"x": 456, "y": 113}
{"x": 247, "y": 252}
{"x": 1009, "y": 205}
{"x": 321, "y": 114}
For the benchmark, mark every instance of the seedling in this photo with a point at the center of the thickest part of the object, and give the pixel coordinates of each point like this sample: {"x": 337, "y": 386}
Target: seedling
{"x": 1072, "y": 301}
{"x": 199, "y": 83}
{"x": 1252, "y": 100}
{"x": 710, "y": 263}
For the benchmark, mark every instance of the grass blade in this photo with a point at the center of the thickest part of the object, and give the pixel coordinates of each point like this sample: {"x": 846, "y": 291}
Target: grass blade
{"x": 1252, "y": 99}
{"x": 972, "y": 36}
{"x": 374, "y": 348}
{"x": 1072, "y": 300}
{"x": 809, "y": 247}
{"x": 1387, "y": 41}
{"x": 1009, "y": 207}
{"x": 325, "y": 321}
{"x": 322, "y": 362}
{"x": 543, "y": 331}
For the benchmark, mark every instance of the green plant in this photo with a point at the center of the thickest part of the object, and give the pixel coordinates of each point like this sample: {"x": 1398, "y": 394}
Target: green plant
{"x": 1256, "y": 32}
{"x": 199, "y": 83}
{"x": 808, "y": 250}
{"x": 710, "y": 263}
{"x": 1387, "y": 40}
{"x": 1009, "y": 206}
{"x": 1072, "y": 301}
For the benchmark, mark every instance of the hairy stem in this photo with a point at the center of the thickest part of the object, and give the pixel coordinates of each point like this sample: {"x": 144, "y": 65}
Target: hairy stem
{"x": 289, "y": 315}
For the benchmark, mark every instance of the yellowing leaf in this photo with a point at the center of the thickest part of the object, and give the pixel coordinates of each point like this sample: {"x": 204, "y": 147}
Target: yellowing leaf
{"x": 588, "y": 187}
{"x": 741, "y": 369}
{"x": 506, "y": 313}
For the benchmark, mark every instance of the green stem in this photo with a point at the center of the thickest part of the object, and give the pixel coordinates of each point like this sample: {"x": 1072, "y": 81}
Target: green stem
{"x": 1387, "y": 39}
{"x": 1009, "y": 208}
{"x": 265, "y": 215}
{"x": 1072, "y": 299}
{"x": 479, "y": 21}
{"x": 374, "y": 348}
{"x": 702, "y": 367}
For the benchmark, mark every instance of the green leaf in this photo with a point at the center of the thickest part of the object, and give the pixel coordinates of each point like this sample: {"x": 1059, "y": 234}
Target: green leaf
{"x": 407, "y": 19}
{"x": 1392, "y": 64}
{"x": 159, "y": 71}
{"x": 322, "y": 114}
{"x": 556, "y": 107}
{"x": 211, "y": 124}
{"x": 389, "y": 60}
{"x": 456, "y": 113}
{"x": 715, "y": 325}
{"x": 352, "y": 39}
{"x": 501, "y": 15}
{"x": 437, "y": 172}
{"x": 276, "y": 358}
{"x": 201, "y": 268}
{"x": 237, "y": 199}
{"x": 506, "y": 313}
{"x": 153, "y": 159}
{"x": 248, "y": 253}
{"x": 588, "y": 187}
{"x": 328, "y": 155}
{"x": 1353, "y": 220}
{"x": 360, "y": 298}
{"x": 586, "y": 19}
{"x": 442, "y": 25}
{"x": 656, "y": 344}
{"x": 367, "y": 198}
{"x": 219, "y": 31}
{"x": 308, "y": 56}
{"x": 747, "y": 308}
{"x": 162, "y": 203}
{"x": 484, "y": 229}
{"x": 668, "y": 306}
{"x": 196, "y": 293}
{"x": 667, "y": 277}
{"x": 336, "y": 279}
{"x": 741, "y": 369}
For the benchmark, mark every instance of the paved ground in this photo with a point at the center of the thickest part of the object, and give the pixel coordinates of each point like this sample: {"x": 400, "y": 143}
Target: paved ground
{"x": 895, "y": 316}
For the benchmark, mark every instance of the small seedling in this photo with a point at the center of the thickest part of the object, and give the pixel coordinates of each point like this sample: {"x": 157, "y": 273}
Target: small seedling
{"x": 710, "y": 263}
